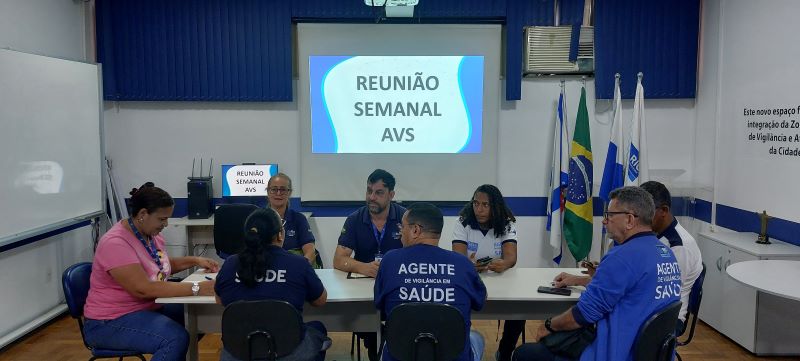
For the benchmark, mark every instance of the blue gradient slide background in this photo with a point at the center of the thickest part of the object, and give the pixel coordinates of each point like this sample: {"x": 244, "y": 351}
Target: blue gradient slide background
{"x": 324, "y": 137}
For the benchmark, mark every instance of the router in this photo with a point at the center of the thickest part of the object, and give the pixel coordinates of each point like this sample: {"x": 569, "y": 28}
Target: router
{"x": 200, "y": 193}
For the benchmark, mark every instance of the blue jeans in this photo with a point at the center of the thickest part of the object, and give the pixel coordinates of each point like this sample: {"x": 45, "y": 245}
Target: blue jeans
{"x": 476, "y": 343}
{"x": 160, "y": 333}
{"x": 535, "y": 352}
{"x": 311, "y": 347}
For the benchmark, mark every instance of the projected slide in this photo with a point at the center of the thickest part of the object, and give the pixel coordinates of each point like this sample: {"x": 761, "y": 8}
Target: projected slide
{"x": 246, "y": 180}
{"x": 396, "y": 104}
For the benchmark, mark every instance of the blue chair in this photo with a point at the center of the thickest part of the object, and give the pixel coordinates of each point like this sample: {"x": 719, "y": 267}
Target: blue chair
{"x": 75, "y": 281}
{"x": 695, "y": 297}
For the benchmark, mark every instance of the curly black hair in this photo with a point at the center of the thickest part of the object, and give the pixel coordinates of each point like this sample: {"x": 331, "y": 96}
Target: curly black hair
{"x": 501, "y": 214}
{"x": 148, "y": 197}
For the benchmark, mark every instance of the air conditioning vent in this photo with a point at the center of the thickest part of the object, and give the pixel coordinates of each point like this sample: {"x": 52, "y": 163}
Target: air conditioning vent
{"x": 547, "y": 50}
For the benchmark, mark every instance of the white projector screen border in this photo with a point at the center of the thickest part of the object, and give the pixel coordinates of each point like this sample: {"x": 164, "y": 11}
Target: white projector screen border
{"x": 430, "y": 177}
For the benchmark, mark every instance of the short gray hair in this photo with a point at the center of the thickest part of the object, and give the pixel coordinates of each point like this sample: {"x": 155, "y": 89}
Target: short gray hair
{"x": 637, "y": 201}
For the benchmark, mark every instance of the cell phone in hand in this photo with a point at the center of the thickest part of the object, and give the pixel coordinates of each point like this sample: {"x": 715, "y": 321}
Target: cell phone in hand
{"x": 554, "y": 290}
{"x": 484, "y": 261}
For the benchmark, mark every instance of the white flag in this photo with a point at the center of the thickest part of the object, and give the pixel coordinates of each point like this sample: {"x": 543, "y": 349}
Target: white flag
{"x": 614, "y": 170}
{"x": 558, "y": 180}
{"x": 636, "y": 167}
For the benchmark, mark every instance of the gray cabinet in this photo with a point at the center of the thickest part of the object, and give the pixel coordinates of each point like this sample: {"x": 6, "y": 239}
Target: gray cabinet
{"x": 740, "y": 312}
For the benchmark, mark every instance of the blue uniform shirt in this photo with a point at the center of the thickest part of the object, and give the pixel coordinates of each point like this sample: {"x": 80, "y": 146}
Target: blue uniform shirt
{"x": 424, "y": 273}
{"x": 298, "y": 232}
{"x": 634, "y": 280}
{"x": 359, "y": 234}
{"x": 289, "y": 278}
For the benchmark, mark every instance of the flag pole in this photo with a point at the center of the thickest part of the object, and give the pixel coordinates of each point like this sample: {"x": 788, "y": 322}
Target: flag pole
{"x": 604, "y": 244}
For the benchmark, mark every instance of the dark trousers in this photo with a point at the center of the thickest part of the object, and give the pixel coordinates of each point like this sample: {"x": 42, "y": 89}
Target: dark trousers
{"x": 370, "y": 343}
{"x": 512, "y": 329}
{"x": 536, "y": 352}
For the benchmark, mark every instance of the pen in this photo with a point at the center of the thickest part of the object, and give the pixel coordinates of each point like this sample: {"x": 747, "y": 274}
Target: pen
{"x": 209, "y": 278}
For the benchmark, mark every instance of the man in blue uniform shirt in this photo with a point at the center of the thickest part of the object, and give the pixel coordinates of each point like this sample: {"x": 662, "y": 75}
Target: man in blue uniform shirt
{"x": 370, "y": 232}
{"x": 636, "y": 278}
{"x": 423, "y": 272}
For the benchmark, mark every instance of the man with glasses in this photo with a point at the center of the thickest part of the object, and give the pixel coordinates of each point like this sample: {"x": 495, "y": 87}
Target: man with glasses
{"x": 423, "y": 272}
{"x": 672, "y": 234}
{"x": 636, "y": 278}
{"x": 298, "y": 238}
{"x": 370, "y": 232}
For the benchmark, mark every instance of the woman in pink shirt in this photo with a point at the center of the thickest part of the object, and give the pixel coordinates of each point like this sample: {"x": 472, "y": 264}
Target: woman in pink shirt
{"x": 129, "y": 272}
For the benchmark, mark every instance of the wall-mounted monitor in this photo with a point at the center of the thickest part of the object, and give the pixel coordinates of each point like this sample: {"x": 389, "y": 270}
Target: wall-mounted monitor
{"x": 246, "y": 180}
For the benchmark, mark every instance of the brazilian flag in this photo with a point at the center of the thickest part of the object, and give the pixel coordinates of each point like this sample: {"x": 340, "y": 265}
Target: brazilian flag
{"x": 578, "y": 214}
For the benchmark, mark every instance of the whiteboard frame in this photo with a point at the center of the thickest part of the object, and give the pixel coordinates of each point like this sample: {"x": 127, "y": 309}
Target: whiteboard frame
{"x": 22, "y": 236}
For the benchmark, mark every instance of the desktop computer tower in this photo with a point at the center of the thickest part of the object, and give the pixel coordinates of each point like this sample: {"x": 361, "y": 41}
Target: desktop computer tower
{"x": 200, "y": 198}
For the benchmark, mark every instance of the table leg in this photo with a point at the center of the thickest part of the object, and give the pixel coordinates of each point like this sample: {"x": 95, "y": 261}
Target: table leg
{"x": 189, "y": 243}
{"x": 191, "y": 326}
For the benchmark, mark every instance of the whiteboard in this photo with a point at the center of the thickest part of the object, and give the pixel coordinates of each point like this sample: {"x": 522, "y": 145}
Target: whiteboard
{"x": 50, "y": 144}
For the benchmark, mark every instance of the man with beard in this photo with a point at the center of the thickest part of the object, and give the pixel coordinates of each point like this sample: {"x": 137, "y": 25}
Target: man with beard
{"x": 370, "y": 232}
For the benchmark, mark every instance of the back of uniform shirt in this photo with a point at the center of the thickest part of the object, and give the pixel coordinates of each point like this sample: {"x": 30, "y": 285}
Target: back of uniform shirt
{"x": 289, "y": 278}
{"x": 424, "y": 273}
{"x": 634, "y": 280}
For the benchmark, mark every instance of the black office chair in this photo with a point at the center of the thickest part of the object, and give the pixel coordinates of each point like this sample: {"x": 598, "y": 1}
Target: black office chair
{"x": 656, "y": 338}
{"x": 425, "y": 331}
{"x": 75, "y": 281}
{"x": 695, "y": 297}
{"x": 261, "y": 330}
{"x": 229, "y": 228}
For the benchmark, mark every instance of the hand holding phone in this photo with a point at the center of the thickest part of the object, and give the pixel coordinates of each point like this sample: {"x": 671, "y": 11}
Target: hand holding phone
{"x": 554, "y": 290}
{"x": 484, "y": 261}
{"x": 591, "y": 267}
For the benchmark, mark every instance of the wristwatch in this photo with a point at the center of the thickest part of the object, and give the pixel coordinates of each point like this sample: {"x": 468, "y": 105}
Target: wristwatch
{"x": 548, "y": 326}
{"x": 195, "y": 288}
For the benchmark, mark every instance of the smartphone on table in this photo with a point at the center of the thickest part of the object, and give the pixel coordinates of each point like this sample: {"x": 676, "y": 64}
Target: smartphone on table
{"x": 554, "y": 290}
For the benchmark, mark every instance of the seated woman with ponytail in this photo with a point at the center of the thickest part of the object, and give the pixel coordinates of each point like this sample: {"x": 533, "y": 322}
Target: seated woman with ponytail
{"x": 245, "y": 277}
{"x": 129, "y": 272}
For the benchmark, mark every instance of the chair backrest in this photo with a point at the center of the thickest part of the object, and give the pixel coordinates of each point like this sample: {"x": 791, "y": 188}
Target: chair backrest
{"x": 265, "y": 329}
{"x": 425, "y": 331}
{"x": 656, "y": 338}
{"x": 75, "y": 281}
{"x": 695, "y": 297}
{"x": 229, "y": 227}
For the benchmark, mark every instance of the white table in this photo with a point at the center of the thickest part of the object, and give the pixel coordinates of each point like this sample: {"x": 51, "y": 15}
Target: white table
{"x": 775, "y": 277}
{"x": 511, "y": 296}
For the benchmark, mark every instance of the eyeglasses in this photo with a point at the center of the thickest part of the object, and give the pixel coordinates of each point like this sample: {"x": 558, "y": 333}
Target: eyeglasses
{"x": 607, "y": 214}
{"x": 277, "y": 190}
{"x": 400, "y": 226}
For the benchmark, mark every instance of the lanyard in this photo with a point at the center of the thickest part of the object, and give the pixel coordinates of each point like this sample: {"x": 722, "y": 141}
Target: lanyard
{"x": 151, "y": 249}
{"x": 379, "y": 235}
